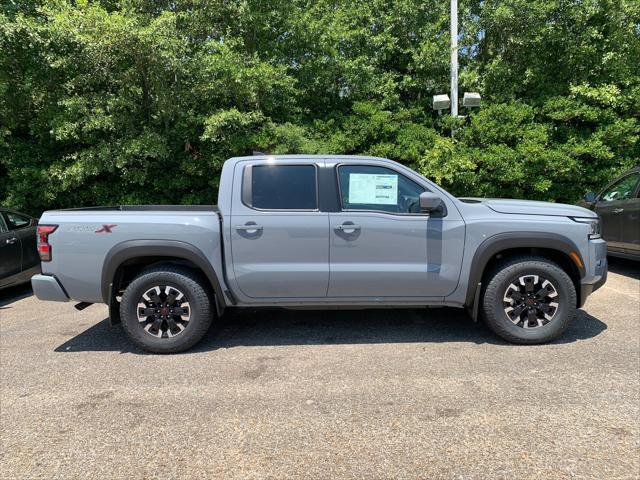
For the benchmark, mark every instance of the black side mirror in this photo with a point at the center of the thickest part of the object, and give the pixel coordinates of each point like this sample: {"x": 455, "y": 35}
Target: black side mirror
{"x": 429, "y": 202}
{"x": 590, "y": 197}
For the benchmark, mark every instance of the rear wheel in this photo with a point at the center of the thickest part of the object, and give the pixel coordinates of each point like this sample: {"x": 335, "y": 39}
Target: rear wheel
{"x": 529, "y": 300}
{"x": 166, "y": 309}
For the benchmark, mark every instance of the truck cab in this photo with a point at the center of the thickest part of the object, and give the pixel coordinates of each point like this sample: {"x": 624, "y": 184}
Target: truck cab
{"x": 337, "y": 230}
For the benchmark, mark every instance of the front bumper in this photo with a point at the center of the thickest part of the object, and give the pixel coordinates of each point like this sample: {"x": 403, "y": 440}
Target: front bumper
{"x": 47, "y": 287}
{"x": 587, "y": 289}
{"x": 593, "y": 282}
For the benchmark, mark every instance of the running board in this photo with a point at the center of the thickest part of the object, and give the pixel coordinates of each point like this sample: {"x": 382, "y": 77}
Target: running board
{"x": 82, "y": 305}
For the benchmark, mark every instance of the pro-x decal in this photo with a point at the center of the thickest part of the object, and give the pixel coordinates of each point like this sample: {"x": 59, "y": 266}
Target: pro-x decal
{"x": 106, "y": 228}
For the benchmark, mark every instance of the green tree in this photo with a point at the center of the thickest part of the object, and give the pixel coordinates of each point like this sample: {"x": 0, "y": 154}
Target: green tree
{"x": 141, "y": 101}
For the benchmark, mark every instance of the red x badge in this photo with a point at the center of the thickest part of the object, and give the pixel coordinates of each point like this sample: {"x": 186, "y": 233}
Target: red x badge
{"x": 106, "y": 229}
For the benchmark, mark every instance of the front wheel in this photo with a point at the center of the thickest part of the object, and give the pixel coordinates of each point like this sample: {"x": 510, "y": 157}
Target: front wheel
{"x": 166, "y": 309}
{"x": 529, "y": 300}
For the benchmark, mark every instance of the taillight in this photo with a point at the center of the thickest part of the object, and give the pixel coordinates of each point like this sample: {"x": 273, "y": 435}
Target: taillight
{"x": 44, "y": 249}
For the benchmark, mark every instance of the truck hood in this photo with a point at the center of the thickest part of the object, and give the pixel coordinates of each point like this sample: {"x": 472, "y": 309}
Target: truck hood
{"x": 530, "y": 207}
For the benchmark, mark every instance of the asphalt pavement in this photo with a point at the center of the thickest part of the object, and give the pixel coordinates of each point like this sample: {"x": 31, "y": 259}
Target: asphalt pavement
{"x": 322, "y": 395}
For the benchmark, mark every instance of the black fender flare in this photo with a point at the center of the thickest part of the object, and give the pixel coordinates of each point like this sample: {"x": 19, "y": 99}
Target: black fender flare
{"x": 505, "y": 241}
{"x": 131, "y": 249}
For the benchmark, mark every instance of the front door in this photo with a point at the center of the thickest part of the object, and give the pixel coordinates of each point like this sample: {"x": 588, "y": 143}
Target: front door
{"x": 631, "y": 226}
{"x": 279, "y": 238}
{"x": 383, "y": 246}
{"x": 10, "y": 254}
{"x": 611, "y": 206}
{"x": 25, "y": 229}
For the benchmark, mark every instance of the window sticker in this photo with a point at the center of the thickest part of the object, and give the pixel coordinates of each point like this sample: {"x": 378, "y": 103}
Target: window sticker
{"x": 369, "y": 188}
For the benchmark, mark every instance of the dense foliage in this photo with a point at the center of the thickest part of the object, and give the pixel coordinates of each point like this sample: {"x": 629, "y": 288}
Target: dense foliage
{"x": 141, "y": 101}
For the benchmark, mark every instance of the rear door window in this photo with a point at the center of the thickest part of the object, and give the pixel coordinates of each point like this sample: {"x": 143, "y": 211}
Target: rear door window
{"x": 284, "y": 187}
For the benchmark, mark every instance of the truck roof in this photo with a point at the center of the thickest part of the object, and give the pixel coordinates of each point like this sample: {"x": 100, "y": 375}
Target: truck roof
{"x": 342, "y": 158}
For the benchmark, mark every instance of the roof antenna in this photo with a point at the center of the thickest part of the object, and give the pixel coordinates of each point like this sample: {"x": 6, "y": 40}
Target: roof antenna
{"x": 256, "y": 152}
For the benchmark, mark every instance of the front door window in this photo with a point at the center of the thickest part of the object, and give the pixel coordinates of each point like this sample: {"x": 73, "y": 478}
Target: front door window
{"x": 364, "y": 187}
{"x": 622, "y": 190}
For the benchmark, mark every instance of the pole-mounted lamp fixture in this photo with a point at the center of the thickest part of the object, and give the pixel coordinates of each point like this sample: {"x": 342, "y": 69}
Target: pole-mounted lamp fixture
{"x": 471, "y": 100}
{"x": 441, "y": 102}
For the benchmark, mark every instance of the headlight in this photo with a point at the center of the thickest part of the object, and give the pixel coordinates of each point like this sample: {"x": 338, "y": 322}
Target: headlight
{"x": 594, "y": 225}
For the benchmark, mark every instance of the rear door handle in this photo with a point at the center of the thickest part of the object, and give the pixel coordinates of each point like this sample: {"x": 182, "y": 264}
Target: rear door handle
{"x": 249, "y": 228}
{"x": 618, "y": 210}
{"x": 347, "y": 227}
{"x": 12, "y": 240}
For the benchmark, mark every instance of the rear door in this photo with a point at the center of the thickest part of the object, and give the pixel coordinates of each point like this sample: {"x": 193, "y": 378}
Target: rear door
{"x": 279, "y": 238}
{"x": 383, "y": 246}
{"x": 10, "y": 254}
{"x": 611, "y": 206}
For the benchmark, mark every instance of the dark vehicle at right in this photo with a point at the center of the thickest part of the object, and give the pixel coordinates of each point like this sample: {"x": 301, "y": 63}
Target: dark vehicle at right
{"x": 618, "y": 206}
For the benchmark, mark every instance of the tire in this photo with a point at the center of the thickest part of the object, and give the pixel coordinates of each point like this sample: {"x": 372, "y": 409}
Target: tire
{"x": 194, "y": 307}
{"x": 540, "y": 321}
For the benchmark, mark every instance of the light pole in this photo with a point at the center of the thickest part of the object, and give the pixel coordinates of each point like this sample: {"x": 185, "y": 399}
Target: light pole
{"x": 471, "y": 99}
{"x": 454, "y": 58}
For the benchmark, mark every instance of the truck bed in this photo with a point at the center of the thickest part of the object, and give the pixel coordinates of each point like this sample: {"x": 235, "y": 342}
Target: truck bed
{"x": 146, "y": 208}
{"x": 85, "y": 238}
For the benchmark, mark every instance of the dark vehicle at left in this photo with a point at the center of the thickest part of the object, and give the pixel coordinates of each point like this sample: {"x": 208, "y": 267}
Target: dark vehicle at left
{"x": 19, "y": 259}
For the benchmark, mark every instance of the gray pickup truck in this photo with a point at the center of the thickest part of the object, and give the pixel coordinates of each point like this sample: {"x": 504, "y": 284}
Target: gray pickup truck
{"x": 301, "y": 231}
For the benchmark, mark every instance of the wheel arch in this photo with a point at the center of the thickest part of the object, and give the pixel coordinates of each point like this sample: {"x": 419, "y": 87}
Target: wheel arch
{"x": 138, "y": 254}
{"x": 556, "y": 247}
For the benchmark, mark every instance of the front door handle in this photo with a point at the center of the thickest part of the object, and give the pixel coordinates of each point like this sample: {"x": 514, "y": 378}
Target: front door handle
{"x": 253, "y": 228}
{"x": 618, "y": 210}
{"x": 12, "y": 240}
{"x": 347, "y": 227}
